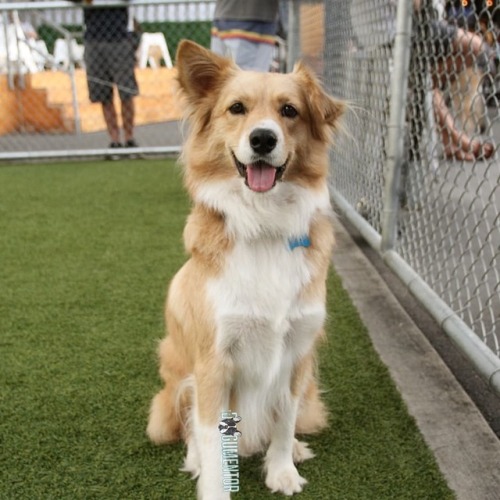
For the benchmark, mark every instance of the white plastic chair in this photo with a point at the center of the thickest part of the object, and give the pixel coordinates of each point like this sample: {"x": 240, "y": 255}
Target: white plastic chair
{"x": 14, "y": 48}
{"x": 61, "y": 53}
{"x": 149, "y": 40}
{"x": 40, "y": 54}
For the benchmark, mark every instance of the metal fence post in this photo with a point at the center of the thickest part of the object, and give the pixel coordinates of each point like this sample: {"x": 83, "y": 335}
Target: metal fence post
{"x": 71, "y": 71}
{"x": 293, "y": 51}
{"x": 396, "y": 127}
{"x": 8, "y": 59}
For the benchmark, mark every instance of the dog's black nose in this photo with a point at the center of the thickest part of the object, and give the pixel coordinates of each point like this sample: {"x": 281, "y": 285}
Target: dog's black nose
{"x": 263, "y": 140}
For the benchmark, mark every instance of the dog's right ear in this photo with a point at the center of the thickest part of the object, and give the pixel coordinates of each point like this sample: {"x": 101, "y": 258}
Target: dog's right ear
{"x": 200, "y": 71}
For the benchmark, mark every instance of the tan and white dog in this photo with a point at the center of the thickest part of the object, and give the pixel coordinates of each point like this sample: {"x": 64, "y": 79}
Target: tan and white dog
{"x": 246, "y": 310}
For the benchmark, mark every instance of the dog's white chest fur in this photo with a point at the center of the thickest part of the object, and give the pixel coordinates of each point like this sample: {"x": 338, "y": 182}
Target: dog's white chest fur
{"x": 261, "y": 279}
{"x": 263, "y": 325}
{"x": 255, "y": 300}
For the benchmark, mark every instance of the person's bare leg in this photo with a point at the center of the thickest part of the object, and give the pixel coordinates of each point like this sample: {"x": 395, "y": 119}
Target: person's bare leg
{"x": 457, "y": 144}
{"x": 110, "y": 117}
{"x": 128, "y": 117}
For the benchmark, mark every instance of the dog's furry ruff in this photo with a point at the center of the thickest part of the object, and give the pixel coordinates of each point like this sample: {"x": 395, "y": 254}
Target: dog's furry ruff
{"x": 245, "y": 312}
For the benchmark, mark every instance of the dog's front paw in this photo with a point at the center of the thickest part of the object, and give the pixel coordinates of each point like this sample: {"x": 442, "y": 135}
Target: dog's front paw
{"x": 285, "y": 480}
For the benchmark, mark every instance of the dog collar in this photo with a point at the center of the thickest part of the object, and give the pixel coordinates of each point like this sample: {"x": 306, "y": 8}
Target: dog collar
{"x": 301, "y": 241}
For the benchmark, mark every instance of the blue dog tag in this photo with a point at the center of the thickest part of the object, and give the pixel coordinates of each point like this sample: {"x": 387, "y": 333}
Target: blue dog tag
{"x": 301, "y": 241}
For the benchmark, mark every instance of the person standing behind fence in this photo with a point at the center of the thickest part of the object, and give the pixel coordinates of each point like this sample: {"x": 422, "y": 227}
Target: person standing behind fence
{"x": 110, "y": 60}
{"x": 436, "y": 45}
{"x": 446, "y": 50}
{"x": 246, "y": 31}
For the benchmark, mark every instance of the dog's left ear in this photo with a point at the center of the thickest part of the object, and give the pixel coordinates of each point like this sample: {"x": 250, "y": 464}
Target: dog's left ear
{"x": 325, "y": 111}
{"x": 200, "y": 71}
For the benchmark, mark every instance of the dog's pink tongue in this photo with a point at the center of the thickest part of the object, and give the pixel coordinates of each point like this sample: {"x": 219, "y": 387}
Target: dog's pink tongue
{"x": 260, "y": 177}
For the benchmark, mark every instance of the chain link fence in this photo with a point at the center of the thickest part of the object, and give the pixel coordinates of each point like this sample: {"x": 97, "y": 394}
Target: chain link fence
{"x": 417, "y": 170}
{"x": 45, "y": 77}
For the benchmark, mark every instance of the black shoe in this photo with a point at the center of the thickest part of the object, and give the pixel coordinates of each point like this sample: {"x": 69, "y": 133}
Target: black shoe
{"x": 114, "y": 145}
{"x": 131, "y": 144}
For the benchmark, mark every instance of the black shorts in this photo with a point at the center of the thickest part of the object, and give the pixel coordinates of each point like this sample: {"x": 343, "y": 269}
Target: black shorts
{"x": 109, "y": 63}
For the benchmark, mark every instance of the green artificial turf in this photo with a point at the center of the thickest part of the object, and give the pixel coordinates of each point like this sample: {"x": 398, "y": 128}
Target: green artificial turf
{"x": 86, "y": 251}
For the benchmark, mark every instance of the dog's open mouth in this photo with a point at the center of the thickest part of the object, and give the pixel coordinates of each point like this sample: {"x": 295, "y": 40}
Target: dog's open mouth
{"x": 260, "y": 176}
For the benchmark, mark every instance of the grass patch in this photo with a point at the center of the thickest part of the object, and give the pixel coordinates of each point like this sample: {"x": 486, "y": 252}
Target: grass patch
{"x": 86, "y": 252}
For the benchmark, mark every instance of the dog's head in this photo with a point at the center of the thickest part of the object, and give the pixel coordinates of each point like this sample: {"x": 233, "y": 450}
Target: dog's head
{"x": 261, "y": 127}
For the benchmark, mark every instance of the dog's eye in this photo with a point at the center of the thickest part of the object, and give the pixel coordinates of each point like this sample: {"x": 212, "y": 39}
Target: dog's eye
{"x": 237, "y": 109}
{"x": 289, "y": 111}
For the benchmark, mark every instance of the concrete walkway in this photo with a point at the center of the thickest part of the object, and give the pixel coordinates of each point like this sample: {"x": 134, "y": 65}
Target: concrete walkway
{"x": 466, "y": 449}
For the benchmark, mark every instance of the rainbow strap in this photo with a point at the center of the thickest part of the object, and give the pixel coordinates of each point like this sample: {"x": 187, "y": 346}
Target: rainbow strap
{"x": 249, "y": 36}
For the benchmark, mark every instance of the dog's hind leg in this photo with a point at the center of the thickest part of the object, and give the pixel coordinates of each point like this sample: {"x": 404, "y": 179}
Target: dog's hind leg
{"x": 312, "y": 415}
{"x": 168, "y": 410}
{"x": 301, "y": 452}
{"x": 164, "y": 425}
